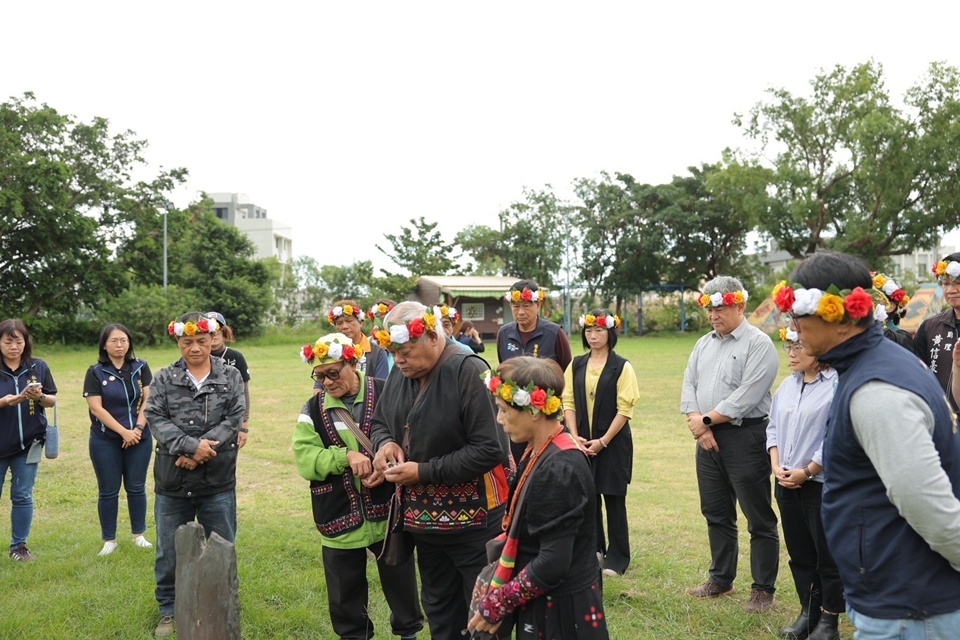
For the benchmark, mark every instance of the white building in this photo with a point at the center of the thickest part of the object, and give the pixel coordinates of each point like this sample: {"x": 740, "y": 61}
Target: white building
{"x": 271, "y": 238}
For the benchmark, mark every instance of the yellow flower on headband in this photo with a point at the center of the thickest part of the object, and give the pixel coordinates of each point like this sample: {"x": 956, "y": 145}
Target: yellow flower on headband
{"x": 738, "y": 297}
{"x": 348, "y": 309}
{"x": 190, "y": 329}
{"x": 515, "y": 296}
{"x": 940, "y": 268}
{"x": 553, "y": 405}
{"x": 506, "y": 392}
{"x": 830, "y": 308}
{"x": 589, "y": 320}
{"x": 783, "y": 334}
{"x": 430, "y": 321}
{"x": 879, "y": 280}
{"x": 776, "y": 289}
{"x": 320, "y": 350}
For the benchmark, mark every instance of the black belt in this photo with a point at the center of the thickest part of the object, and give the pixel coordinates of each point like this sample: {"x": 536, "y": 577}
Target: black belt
{"x": 752, "y": 422}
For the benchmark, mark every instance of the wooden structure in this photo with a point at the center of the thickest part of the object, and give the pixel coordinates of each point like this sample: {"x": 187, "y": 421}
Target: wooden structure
{"x": 479, "y": 299}
{"x": 208, "y": 589}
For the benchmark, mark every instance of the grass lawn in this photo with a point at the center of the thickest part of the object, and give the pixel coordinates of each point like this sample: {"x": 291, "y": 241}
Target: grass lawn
{"x": 70, "y": 592}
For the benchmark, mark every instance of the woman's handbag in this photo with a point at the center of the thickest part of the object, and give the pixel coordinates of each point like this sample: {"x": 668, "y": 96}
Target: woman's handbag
{"x": 51, "y": 447}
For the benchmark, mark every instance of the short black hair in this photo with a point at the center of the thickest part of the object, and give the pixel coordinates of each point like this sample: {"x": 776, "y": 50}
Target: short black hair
{"x": 611, "y": 331}
{"x": 11, "y": 328}
{"x": 842, "y": 270}
{"x": 105, "y": 334}
{"x": 520, "y": 285}
{"x": 953, "y": 257}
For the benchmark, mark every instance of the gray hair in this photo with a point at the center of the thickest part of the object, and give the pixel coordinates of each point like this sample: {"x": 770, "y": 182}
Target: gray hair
{"x": 723, "y": 284}
{"x": 407, "y": 311}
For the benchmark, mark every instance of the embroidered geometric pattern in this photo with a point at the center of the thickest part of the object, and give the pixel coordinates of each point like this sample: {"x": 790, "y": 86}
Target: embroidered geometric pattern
{"x": 519, "y": 591}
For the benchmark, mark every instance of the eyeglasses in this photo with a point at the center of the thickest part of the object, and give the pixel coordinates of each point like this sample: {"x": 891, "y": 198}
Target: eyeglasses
{"x": 333, "y": 374}
{"x": 118, "y": 341}
{"x": 793, "y": 348}
{"x": 946, "y": 282}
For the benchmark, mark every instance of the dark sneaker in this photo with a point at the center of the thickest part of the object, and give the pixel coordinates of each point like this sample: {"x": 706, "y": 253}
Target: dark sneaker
{"x": 20, "y": 553}
{"x": 166, "y": 628}
{"x": 709, "y": 589}
{"x": 759, "y": 601}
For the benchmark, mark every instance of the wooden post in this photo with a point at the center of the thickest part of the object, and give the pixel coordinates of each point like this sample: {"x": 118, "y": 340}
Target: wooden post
{"x": 208, "y": 599}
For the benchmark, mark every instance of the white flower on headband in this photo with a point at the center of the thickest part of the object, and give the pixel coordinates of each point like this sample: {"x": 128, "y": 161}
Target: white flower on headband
{"x": 880, "y": 313}
{"x": 451, "y": 312}
{"x": 178, "y": 328}
{"x": 521, "y": 398}
{"x": 890, "y": 287}
{"x": 336, "y": 350}
{"x": 399, "y": 334}
{"x": 792, "y": 336}
{"x": 953, "y": 269}
{"x": 337, "y": 312}
{"x": 806, "y": 301}
{"x": 436, "y": 312}
{"x": 716, "y": 300}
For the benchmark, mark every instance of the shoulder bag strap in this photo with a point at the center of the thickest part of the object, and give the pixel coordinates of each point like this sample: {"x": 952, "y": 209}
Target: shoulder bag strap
{"x": 347, "y": 418}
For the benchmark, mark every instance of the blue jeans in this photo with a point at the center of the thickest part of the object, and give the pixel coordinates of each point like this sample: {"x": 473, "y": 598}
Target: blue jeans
{"x": 945, "y": 626}
{"x": 215, "y": 513}
{"x": 22, "y": 478}
{"x": 113, "y": 464}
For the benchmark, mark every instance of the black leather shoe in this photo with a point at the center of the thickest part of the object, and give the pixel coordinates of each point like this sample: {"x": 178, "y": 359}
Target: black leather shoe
{"x": 801, "y": 627}
{"x": 826, "y": 629}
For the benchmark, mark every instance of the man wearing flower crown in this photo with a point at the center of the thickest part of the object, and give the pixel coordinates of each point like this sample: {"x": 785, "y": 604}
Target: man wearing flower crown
{"x": 346, "y": 316}
{"x": 726, "y": 397}
{"x": 195, "y": 411}
{"x": 937, "y": 336}
{"x": 436, "y": 434}
{"x": 529, "y": 334}
{"x": 448, "y": 318}
{"x": 891, "y": 458}
{"x": 350, "y": 500}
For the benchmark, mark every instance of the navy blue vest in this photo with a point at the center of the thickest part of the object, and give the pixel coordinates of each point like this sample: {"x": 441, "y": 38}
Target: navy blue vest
{"x": 542, "y": 344}
{"x": 888, "y": 570}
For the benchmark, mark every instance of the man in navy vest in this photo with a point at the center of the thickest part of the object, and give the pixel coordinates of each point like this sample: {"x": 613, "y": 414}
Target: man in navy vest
{"x": 891, "y": 497}
{"x": 529, "y": 334}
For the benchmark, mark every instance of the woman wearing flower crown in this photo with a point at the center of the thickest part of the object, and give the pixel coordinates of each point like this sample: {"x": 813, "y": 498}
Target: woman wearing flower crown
{"x": 892, "y": 303}
{"x": 546, "y": 583}
{"x": 795, "y": 434}
{"x": 937, "y": 336}
{"x": 116, "y": 389}
{"x": 598, "y": 399}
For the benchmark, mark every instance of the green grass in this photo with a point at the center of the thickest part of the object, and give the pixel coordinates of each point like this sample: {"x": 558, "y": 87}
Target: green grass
{"x": 70, "y": 592}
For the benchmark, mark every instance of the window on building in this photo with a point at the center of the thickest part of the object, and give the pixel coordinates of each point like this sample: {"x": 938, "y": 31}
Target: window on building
{"x": 220, "y": 212}
{"x": 922, "y": 267}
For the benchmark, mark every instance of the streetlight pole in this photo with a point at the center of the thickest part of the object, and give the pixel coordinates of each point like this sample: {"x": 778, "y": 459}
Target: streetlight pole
{"x": 169, "y": 207}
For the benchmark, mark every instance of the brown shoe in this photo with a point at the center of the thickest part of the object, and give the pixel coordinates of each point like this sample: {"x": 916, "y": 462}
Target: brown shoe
{"x": 759, "y": 601}
{"x": 709, "y": 589}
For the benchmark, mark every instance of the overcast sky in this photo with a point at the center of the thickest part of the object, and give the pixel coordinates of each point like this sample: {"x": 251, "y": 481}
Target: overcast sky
{"x": 344, "y": 120}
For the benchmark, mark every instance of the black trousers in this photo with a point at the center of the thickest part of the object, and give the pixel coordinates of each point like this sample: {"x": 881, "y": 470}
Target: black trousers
{"x": 346, "y": 574}
{"x": 739, "y": 473}
{"x": 617, "y": 552}
{"x": 449, "y": 565}
{"x": 815, "y": 573}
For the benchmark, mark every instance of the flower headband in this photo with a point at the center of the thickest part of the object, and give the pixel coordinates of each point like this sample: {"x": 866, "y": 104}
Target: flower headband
{"x": 345, "y": 310}
{"x": 190, "y": 328}
{"x": 890, "y": 291}
{"x": 378, "y": 310}
{"x": 448, "y": 312}
{"x": 606, "y": 322}
{"x": 516, "y": 295}
{"x": 789, "y": 335}
{"x": 719, "y": 299}
{"x": 410, "y": 332}
{"x": 833, "y": 305}
{"x": 331, "y": 348}
{"x": 951, "y": 269}
{"x": 531, "y": 398}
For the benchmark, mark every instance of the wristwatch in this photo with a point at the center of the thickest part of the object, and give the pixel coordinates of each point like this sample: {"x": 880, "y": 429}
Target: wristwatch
{"x": 706, "y": 419}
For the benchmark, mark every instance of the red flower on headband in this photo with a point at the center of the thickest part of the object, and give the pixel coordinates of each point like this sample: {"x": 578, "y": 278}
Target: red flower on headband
{"x": 416, "y": 328}
{"x": 495, "y": 383}
{"x": 729, "y": 300}
{"x": 307, "y": 352}
{"x": 538, "y": 398}
{"x": 203, "y": 325}
{"x": 784, "y": 299}
{"x": 898, "y": 296}
{"x": 349, "y": 351}
{"x": 527, "y": 295}
{"x": 859, "y": 304}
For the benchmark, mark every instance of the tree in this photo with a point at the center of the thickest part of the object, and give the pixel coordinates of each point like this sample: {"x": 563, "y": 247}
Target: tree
{"x": 705, "y": 222}
{"x": 420, "y": 250}
{"x": 65, "y": 193}
{"x": 530, "y": 243}
{"x": 854, "y": 173}
{"x": 621, "y": 246}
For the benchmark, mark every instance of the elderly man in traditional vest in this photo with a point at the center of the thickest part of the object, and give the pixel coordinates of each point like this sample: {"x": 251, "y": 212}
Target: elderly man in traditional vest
{"x": 726, "y": 397}
{"x": 891, "y": 496}
{"x": 436, "y": 434}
